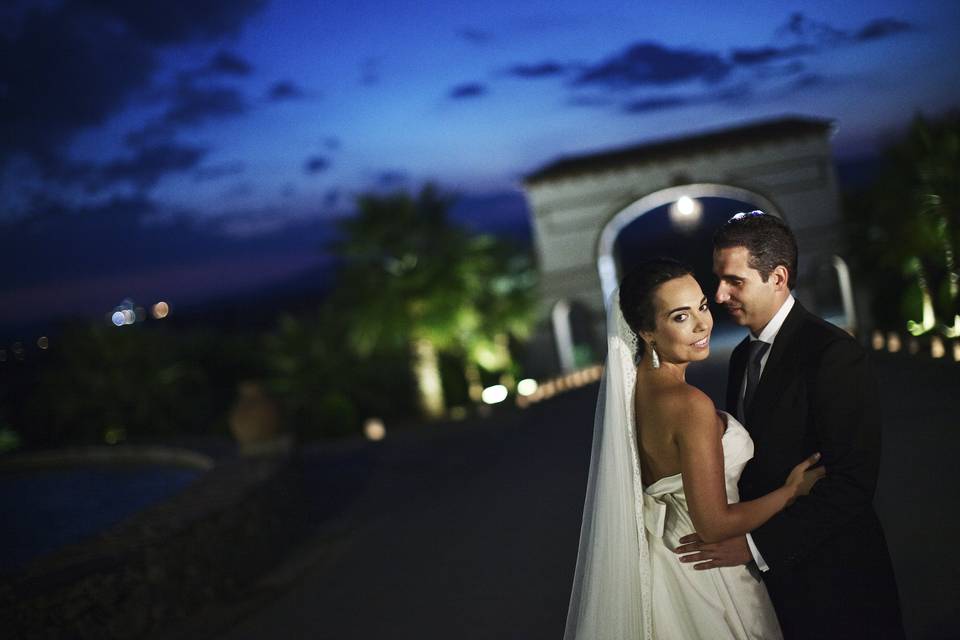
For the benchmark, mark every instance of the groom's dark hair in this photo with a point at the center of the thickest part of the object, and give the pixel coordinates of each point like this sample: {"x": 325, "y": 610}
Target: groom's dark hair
{"x": 767, "y": 238}
{"x": 638, "y": 286}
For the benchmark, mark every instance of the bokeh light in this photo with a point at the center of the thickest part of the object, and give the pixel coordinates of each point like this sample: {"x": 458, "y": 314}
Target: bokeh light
{"x": 374, "y": 429}
{"x": 493, "y": 395}
{"x": 527, "y": 387}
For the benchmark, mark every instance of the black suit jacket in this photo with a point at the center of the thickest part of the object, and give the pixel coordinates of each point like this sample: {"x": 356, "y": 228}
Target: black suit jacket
{"x": 827, "y": 554}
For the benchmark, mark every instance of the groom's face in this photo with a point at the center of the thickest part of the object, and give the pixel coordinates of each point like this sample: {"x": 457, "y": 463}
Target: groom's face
{"x": 749, "y": 300}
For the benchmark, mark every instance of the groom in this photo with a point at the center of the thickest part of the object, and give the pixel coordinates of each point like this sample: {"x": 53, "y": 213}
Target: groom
{"x": 801, "y": 385}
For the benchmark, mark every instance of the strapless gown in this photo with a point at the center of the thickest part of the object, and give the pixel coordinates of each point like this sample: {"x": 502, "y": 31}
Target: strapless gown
{"x": 728, "y": 602}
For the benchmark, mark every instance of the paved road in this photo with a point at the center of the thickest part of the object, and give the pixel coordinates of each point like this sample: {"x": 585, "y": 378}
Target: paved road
{"x": 470, "y": 530}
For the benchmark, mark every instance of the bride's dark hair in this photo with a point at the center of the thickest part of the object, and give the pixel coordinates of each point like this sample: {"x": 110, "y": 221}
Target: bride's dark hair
{"x": 638, "y": 286}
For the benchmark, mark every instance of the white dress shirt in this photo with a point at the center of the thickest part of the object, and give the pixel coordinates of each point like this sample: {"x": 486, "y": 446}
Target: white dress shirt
{"x": 768, "y": 335}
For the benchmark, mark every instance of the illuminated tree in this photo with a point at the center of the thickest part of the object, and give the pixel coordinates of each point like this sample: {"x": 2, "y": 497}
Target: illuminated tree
{"x": 412, "y": 279}
{"x": 906, "y": 229}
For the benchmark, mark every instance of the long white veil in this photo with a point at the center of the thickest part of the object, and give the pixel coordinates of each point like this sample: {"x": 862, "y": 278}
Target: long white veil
{"x": 611, "y": 586}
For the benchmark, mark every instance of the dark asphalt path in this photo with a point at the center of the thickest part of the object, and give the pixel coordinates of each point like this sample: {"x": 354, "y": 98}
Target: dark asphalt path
{"x": 470, "y": 530}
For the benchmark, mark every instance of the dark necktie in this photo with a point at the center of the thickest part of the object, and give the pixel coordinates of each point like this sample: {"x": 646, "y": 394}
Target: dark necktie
{"x": 755, "y": 356}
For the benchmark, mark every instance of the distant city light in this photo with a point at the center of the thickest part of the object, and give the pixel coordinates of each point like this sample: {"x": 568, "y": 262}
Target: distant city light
{"x": 527, "y": 387}
{"x": 160, "y": 310}
{"x": 493, "y": 395}
{"x": 125, "y": 313}
{"x": 43, "y": 342}
{"x": 374, "y": 429}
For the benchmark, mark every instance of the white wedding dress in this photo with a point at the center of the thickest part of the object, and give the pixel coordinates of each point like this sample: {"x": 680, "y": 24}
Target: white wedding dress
{"x": 628, "y": 584}
{"x": 729, "y": 602}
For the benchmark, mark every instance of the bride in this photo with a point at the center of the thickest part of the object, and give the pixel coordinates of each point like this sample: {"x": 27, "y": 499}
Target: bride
{"x": 665, "y": 463}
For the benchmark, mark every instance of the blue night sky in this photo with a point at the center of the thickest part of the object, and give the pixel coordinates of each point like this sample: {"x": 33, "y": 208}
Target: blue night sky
{"x": 187, "y": 150}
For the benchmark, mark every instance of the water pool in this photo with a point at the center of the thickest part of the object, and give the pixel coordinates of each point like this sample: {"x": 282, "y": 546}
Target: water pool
{"x": 45, "y": 509}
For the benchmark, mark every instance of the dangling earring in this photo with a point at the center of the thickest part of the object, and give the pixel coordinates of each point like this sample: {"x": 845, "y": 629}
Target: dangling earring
{"x": 654, "y": 358}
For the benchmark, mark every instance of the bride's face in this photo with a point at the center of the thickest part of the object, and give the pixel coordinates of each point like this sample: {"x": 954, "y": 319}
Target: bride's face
{"x": 683, "y": 321}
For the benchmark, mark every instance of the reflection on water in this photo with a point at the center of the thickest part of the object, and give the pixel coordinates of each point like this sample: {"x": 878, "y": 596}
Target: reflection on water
{"x": 45, "y": 509}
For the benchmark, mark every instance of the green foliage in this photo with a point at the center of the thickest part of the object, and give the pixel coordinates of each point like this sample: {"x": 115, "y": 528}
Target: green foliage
{"x": 324, "y": 388}
{"x": 905, "y": 229}
{"x": 104, "y": 384}
{"x": 9, "y": 439}
{"x": 410, "y": 274}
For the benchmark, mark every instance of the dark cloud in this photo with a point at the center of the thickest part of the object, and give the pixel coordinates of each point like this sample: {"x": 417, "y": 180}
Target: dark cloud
{"x": 733, "y": 94}
{"x": 284, "y": 90}
{"x": 194, "y": 104}
{"x": 538, "y": 70}
{"x": 474, "y": 36}
{"x": 467, "y": 90}
{"x": 778, "y": 70}
{"x": 803, "y": 28}
{"x": 192, "y": 101}
{"x": 60, "y": 75}
{"x": 60, "y": 70}
{"x": 660, "y": 103}
{"x": 144, "y": 169}
{"x": 164, "y": 22}
{"x": 316, "y": 164}
{"x": 882, "y": 28}
{"x": 230, "y": 64}
{"x": 762, "y": 55}
{"x": 821, "y": 33}
{"x": 652, "y": 64}
{"x": 218, "y": 171}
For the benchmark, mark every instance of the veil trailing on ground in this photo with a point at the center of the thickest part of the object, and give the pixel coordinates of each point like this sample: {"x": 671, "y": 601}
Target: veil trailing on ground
{"x": 611, "y": 586}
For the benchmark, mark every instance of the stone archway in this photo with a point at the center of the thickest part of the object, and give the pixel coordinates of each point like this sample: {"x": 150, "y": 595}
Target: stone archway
{"x": 580, "y": 203}
{"x": 606, "y": 264}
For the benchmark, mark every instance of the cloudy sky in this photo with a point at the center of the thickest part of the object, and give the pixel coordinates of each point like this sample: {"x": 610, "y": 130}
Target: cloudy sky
{"x": 186, "y": 149}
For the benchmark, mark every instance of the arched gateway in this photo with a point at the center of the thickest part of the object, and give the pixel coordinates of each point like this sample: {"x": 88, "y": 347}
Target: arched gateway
{"x": 581, "y": 203}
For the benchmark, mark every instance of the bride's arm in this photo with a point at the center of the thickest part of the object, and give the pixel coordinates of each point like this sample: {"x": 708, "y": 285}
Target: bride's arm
{"x": 701, "y": 464}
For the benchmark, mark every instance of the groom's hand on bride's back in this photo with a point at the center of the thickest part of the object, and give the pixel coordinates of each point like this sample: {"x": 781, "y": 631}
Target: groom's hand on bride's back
{"x": 731, "y": 552}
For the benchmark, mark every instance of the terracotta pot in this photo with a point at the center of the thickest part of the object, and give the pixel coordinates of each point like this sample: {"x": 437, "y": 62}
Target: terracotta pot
{"x": 254, "y": 419}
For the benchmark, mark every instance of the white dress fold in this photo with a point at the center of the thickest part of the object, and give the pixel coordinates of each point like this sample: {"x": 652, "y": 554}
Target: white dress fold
{"x": 729, "y": 602}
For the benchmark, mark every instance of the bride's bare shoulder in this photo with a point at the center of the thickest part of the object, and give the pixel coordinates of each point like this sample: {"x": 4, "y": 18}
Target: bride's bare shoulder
{"x": 686, "y": 405}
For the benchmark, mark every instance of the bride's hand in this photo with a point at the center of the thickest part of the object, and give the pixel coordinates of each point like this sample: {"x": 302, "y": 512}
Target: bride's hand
{"x": 802, "y": 478}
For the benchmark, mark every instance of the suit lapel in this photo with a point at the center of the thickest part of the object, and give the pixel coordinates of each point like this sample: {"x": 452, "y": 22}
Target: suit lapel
{"x": 738, "y": 366}
{"x": 777, "y": 368}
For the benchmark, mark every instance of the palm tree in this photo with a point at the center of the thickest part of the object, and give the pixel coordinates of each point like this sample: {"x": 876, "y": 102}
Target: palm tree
{"x": 411, "y": 279}
{"x": 907, "y": 227}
